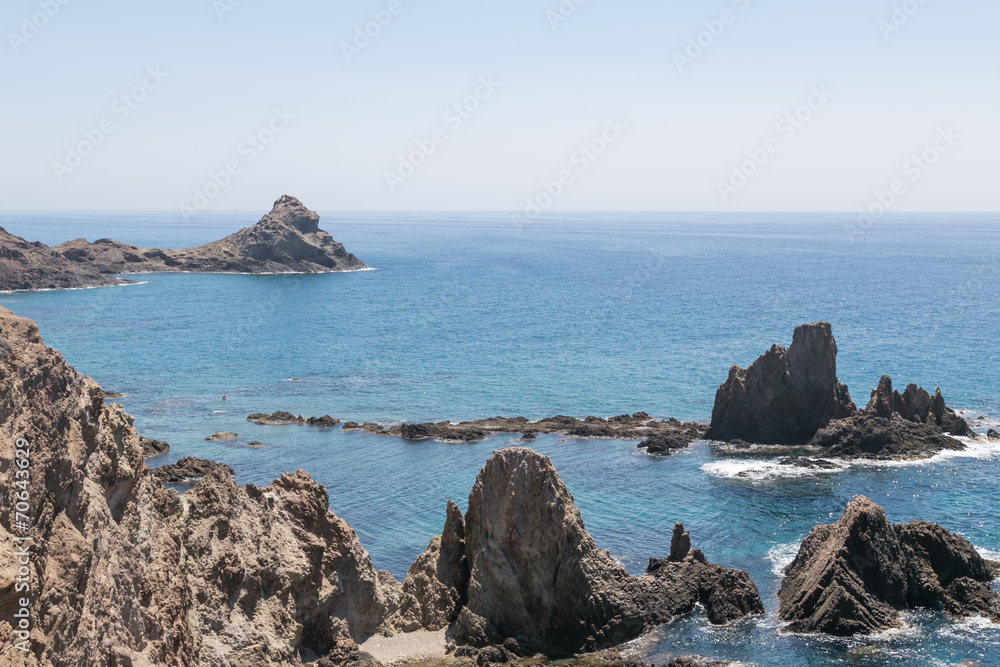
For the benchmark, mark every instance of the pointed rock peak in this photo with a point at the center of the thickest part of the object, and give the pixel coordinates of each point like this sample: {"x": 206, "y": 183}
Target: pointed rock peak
{"x": 786, "y": 395}
{"x": 680, "y": 543}
{"x": 454, "y": 524}
{"x": 291, "y": 212}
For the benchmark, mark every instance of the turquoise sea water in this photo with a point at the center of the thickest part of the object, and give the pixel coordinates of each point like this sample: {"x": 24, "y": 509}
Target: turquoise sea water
{"x": 466, "y": 316}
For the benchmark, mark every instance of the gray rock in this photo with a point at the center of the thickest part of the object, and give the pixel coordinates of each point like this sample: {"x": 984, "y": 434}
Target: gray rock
{"x": 853, "y": 576}
{"x": 785, "y": 396}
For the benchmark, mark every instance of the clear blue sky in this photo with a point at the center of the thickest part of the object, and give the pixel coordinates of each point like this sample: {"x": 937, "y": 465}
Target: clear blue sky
{"x": 685, "y": 130}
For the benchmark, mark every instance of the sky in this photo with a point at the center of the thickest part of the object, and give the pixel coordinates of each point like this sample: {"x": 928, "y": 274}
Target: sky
{"x": 514, "y": 105}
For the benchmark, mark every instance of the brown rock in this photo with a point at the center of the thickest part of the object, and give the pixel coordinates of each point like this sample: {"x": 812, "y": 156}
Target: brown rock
{"x": 223, "y": 436}
{"x": 537, "y": 576}
{"x": 287, "y": 239}
{"x": 680, "y": 543}
{"x": 785, "y": 396}
{"x": 153, "y": 448}
{"x": 188, "y": 469}
{"x": 894, "y": 426}
{"x": 853, "y": 576}
{"x": 279, "y": 418}
{"x": 436, "y": 584}
{"x": 126, "y": 572}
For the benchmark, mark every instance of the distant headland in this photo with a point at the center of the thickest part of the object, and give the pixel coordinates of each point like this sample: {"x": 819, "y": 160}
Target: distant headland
{"x": 286, "y": 240}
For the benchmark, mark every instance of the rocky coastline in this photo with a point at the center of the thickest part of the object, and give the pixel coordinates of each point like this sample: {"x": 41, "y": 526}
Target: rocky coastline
{"x": 130, "y": 572}
{"x": 286, "y": 240}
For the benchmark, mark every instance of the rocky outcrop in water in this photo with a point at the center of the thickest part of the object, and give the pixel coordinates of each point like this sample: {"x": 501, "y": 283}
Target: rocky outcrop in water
{"x": 895, "y": 426}
{"x": 188, "y": 470}
{"x": 992, "y": 435}
{"x": 915, "y": 405}
{"x": 222, "y": 436}
{"x": 785, "y": 396}
{"x": 125, "y": 572}
{"x": 152, "y": 448}
{"x": 286, "y": 240}
{"x": 671, "y": 434}
{"x": 538, "y": 581}
{"x": 853, "y": 577}
{"x": 282, "y": 418}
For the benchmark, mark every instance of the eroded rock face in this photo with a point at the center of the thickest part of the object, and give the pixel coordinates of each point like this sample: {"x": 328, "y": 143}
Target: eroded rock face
{"x": 436, "y": 584}
{"x": 288, "y": 239}
{"x": 126, "y": 572}
{"x": 188, "y": 470}
{"x": 535, "y": 573}
{"x": 915, "y": 404}
{"x": 853, "y": 577}
{"x": 913, "y": 424}
{"x": 537, "y": 577}
{"x": 786, "y": 395}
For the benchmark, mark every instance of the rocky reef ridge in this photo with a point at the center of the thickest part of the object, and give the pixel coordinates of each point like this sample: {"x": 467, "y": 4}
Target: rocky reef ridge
{"x": 854, "y": 576}
{"x": 286, "y": 240}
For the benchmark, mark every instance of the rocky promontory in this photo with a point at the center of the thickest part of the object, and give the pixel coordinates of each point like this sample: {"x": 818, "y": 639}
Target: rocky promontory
{"x": 792, "y": 398}
{"x": 126, "y": 572}
{"x": 286, "y": 240}
{"x": 854, "y": 576}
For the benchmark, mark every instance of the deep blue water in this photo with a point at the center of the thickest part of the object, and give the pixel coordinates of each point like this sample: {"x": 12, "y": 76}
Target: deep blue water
{"x": 467, "y": 316}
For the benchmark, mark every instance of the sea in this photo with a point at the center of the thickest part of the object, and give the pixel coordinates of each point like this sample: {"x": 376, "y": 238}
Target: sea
{"x": 466, "y": 316}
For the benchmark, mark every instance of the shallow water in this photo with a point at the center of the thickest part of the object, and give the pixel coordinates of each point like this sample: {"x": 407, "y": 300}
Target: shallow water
{"x": 468, "y": 317}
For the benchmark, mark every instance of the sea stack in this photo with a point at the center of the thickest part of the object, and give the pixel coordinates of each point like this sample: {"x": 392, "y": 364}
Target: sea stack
{"x": 786, "y": 395}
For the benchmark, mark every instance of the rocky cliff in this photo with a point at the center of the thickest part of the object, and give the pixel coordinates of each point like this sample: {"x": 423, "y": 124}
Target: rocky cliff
{"x": 786, "y": 395}
{"x": 853, "y": 576}
{"x": 286, "y": 240}
{"x": 124, "y": 572}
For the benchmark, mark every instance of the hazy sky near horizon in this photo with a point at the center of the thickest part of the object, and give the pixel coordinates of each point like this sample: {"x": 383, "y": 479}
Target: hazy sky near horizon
{"x": 667, "y": 120}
